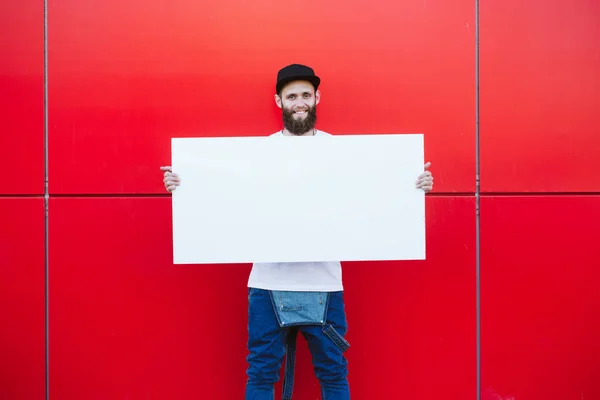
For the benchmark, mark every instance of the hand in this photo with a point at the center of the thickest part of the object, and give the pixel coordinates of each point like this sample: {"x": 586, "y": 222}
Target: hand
{"x": 170, "y": 179}
{"x": 425, "y": 180}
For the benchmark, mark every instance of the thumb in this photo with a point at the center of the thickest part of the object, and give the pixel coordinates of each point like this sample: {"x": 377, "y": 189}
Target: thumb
{"x": 427, "y": 165}
{"x": 167, "y": 168}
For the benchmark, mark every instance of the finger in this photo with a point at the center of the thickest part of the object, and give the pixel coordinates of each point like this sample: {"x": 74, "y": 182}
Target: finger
{"x": 424, "y": 183}
{"x": 427, "y": 165}
{"x": 171, "y": 175}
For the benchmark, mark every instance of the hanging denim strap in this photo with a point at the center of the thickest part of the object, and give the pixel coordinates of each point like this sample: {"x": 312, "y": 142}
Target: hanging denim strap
{"x": 294, "y": 309}
{"x": 290, "y": 363}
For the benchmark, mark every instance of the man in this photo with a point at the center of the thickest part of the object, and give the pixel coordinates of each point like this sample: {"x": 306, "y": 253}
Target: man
{"x": 287, "y": 298}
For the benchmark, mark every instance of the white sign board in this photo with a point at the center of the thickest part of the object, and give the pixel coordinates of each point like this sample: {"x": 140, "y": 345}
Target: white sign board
{"x": 293, "y": 199}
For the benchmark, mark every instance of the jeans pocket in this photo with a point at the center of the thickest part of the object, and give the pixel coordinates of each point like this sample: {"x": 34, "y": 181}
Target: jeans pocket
{"x": 298, "y": 308}
{"x": 335, "y": 336}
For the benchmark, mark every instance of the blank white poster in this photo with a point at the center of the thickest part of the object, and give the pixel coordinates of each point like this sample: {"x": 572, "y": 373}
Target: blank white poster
{"x": 293, "y": 199}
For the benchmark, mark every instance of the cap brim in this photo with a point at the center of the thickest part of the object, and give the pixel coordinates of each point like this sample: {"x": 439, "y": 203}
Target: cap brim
{"x": 315, "y": 80}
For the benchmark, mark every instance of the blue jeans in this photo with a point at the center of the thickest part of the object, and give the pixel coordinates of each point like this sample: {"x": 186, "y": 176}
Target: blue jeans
{"x": 268, "y": 342}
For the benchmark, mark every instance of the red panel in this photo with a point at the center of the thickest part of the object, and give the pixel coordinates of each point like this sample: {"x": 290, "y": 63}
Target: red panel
{"x": 22, "y": 288}
{"x": 22, "y": 95}
{"x": 412, "y": 324}
{"x": 540, "y": 93}
{"x": 139, "y": 73}
{"x": 127, "y": 323}
{"x": 540, "y": 301}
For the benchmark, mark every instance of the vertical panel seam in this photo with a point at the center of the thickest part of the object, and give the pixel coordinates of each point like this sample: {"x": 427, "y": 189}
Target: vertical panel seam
{"x": 46, "y": 208}
{"x": 477, "y": 212}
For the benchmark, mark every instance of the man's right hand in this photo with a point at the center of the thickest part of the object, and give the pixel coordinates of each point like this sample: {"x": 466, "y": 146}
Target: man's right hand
{"x": 170, "y": 179}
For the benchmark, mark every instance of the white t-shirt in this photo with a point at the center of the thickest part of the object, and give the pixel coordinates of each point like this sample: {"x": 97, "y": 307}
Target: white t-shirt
{"x": 300, "y": 276}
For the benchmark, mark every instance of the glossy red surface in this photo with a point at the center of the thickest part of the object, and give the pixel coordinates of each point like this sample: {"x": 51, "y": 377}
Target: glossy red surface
{"x": 22, "y": 96}
{"x": 149, "y": 329}
{"x": 136, "y": 74}
{"x": 540, "y": 95}
{"x": 22, "y": 313}
{"x": 539, "y": 304}
{"x": 125, "y": 77}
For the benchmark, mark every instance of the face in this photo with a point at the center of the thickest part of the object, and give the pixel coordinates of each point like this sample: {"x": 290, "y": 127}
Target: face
{"x": 298, "y": 102}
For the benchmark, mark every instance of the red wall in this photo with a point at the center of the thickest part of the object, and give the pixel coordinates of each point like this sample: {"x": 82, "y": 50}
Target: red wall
{"x": 124, "y": 77}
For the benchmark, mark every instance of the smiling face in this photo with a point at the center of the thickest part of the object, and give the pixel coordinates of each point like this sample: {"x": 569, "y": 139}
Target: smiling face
{"x": 298, "y": 101}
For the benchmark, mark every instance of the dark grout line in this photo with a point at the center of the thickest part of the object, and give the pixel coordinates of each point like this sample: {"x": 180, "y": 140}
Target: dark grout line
{"x": 33, "y": 196}
{"x": 433, "y": 194}
{"x": 536, "y": 194}
{"x": 477, "y": 211}
{"x": 46, "y": 207}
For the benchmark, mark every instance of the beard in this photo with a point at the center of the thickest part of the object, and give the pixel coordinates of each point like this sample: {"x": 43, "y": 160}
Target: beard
{"x": 299, "y": 126}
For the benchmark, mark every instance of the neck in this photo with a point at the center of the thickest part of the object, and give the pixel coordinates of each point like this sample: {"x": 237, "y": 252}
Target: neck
{"x": 311, "y": 132}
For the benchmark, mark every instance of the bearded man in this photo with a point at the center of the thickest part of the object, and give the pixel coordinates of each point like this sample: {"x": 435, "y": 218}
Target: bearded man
{"x": 285, "y": 299}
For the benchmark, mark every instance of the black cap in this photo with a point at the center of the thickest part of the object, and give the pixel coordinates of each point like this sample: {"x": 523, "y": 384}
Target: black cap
{"x": 296, "y": 72}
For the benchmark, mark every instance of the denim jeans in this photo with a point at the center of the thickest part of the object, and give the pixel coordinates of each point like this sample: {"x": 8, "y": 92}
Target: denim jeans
{"x": 268, "y": 343}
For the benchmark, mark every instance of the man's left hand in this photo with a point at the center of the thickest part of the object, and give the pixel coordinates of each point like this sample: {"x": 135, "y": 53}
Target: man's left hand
{"x": 425, "y": 180}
